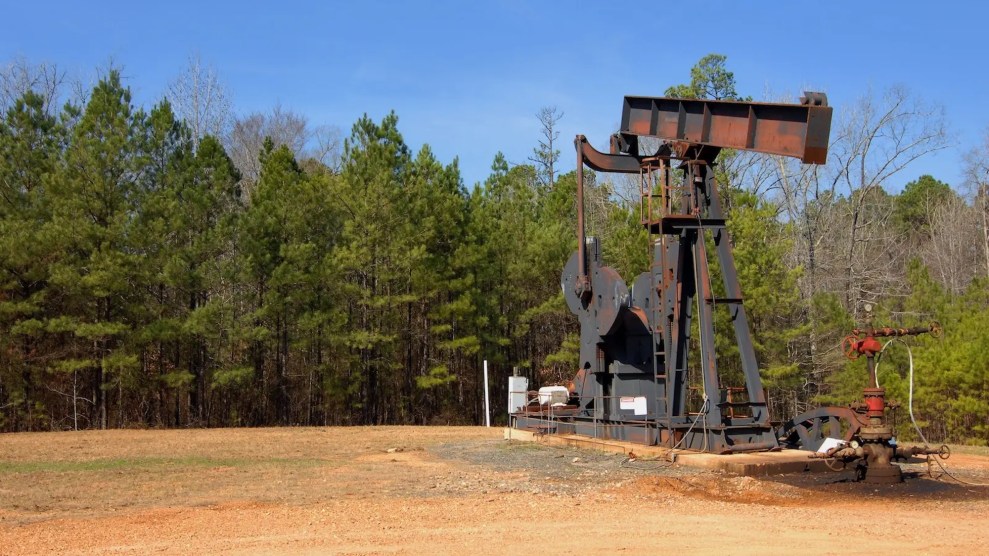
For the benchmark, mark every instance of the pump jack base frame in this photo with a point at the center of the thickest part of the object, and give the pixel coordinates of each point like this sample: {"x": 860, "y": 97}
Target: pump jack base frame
{"x": 688, "y": 436}
{"x": 753, "y": 464}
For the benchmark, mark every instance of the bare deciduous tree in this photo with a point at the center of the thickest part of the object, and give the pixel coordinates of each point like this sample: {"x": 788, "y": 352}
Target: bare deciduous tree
{"x": 246, "y": 140}
{"x": 327, "y": 146}
{"x": 19, "y": 76}
{"x": 877, "y": 138}
{"x": 546, "y": 155}
{"x": 200, "y": 99}
{"x": 951, "y": 255}
{"x": 977, "y": 180}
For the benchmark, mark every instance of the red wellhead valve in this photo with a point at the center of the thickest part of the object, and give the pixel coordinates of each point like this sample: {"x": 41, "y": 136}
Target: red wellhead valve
{"x": 854, "y": 347}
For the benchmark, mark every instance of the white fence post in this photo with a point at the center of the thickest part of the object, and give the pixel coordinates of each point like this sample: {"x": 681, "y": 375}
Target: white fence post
{"x": 487, "y": 407}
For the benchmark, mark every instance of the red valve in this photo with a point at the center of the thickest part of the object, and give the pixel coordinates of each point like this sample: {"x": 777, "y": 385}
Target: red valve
{"x": 853, "y": 347}
{"x": 848, "y": 346}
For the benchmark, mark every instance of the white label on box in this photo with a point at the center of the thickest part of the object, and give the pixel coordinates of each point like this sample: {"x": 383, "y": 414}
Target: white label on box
{"x": 627, "y": 402}
{"x": 640, "y": 405}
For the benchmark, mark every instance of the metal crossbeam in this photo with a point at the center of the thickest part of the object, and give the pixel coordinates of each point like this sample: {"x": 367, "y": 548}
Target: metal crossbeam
{"x": 799, "y": 131}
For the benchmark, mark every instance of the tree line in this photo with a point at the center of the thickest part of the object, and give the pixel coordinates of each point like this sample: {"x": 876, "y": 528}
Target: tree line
{"x": 176, "y": 266}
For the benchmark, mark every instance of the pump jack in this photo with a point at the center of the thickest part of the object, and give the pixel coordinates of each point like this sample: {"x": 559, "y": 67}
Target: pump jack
{"x": 635, "y": 368}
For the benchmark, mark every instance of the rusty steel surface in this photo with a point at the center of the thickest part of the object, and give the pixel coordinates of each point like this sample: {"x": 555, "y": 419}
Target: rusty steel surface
{"x": 934, "y": 329}
{"x": 582, "y": 285}
{"x": 801, "y": 131}
{"x": 603, "y": 162}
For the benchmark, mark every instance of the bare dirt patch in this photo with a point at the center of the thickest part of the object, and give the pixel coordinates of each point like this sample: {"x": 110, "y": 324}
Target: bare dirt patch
{"x": 414, "y": 490}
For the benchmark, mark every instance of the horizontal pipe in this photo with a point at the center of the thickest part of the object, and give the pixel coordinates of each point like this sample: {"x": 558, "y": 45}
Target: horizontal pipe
{"x": 751, "y": 447}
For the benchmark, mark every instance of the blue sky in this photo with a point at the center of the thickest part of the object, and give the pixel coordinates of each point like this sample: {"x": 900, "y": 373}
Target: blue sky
{"x": 468, "y": 77}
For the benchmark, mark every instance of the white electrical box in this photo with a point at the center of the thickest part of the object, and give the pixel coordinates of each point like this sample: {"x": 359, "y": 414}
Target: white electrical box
{"x": 518, "y": 387}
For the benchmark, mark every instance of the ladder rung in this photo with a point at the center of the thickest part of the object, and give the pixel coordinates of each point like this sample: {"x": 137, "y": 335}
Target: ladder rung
{"x": 717, "y": 300}
{"x": 674, "y": 223}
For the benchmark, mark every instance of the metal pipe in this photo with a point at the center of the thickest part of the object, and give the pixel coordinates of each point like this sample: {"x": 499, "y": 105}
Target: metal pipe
{"x": 750, "y": 447}
{"x": 871, "y": 366}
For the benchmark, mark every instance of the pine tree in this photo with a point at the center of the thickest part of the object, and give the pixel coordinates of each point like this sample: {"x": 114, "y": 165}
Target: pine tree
{"x": 440, "y": 344}
{"x": 271, "y": 269}
{"x": 160, "y": 228}
{"x": 30, "y": 144}
{"x": 95, "y": 269}
{"x": 373, "y": 264}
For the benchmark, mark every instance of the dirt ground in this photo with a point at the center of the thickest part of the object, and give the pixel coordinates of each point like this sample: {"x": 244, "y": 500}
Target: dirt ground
{"x": 417, "y": 490}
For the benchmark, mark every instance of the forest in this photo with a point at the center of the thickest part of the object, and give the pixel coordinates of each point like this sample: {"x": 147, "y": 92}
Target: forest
{"x": 179, "y": 265}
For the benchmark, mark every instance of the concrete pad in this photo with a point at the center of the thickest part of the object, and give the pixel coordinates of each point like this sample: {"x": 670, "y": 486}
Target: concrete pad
{"x": 755, "y": 464}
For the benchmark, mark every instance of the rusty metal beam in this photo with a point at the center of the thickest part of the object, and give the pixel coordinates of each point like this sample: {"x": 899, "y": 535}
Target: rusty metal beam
{"x": 603, "y": 162}
{"x": 799, "y": 131}
{"x": 583, "y": 286}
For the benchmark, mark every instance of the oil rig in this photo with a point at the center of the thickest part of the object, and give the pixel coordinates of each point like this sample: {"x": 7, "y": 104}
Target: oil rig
{"x": 640, "y": 378}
